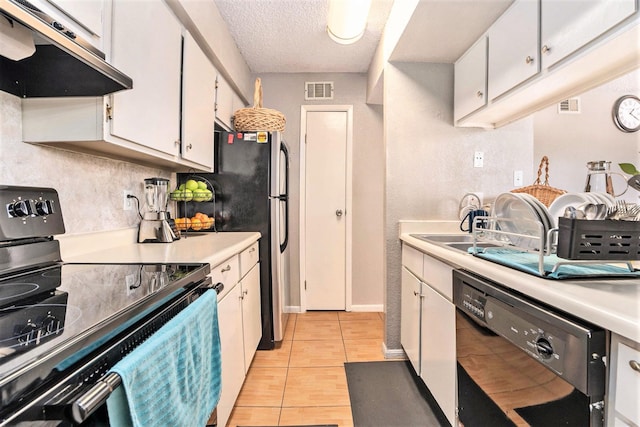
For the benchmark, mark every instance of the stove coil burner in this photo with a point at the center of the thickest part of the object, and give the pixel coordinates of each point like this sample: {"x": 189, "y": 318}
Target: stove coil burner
{"x": 14, "y": 290}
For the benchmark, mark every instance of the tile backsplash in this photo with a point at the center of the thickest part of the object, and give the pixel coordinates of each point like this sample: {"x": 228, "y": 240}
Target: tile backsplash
{"x": 90, "y": 188}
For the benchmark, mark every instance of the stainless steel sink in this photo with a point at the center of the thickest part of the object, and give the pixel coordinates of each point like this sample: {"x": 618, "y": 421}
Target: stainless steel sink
{"x": 465, "y": 246}
{"x": 444, "y": 238}
{"x": 460, "y": 242}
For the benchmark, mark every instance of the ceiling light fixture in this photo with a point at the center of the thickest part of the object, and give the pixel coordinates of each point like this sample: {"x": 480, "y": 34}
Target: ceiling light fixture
{"x": 347, "y": 20}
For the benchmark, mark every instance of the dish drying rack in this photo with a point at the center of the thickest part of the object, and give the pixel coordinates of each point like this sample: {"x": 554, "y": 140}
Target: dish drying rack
{"x": 574, "y": 242}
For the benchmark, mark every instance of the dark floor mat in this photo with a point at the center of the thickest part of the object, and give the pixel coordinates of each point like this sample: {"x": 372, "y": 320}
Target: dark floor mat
{"x": 389, "y": 394}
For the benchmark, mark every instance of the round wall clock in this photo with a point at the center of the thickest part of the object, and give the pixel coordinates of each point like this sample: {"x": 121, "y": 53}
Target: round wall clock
{"x": 626, "y": 113}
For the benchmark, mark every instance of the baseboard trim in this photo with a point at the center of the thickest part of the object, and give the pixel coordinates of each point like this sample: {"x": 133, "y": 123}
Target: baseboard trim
{"x": 378, "y": 308}
{"x": 368, "y": 308}
{"x": 393, "y": 353}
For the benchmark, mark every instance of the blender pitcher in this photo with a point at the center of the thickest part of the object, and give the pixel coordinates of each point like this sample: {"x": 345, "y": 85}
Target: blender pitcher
{"x": 156, "y": 192}
{"x": 156, "y": 225}
{"x": 599, "y": 178}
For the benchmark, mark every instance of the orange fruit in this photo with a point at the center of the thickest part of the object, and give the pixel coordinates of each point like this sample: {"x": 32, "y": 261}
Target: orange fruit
{"x": 196, "y": 224}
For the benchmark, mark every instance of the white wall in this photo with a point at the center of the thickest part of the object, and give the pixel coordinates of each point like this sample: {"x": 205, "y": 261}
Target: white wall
{"x": 285, "y": 93}
{"x": 572, "y": 140}
{"x": 90, "y": 188}
{"x": 429, "y": 162}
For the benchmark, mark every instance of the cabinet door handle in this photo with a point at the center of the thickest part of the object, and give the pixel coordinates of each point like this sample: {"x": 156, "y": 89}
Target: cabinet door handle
{"x": 546, "y": 49}
{"x": 245, "y": 292}
{"x": 635, "y": 365}
{"x": 416, "y": 293}
{"x": 253, "y": 249}
{"x": 227, "y": 268}
{"x": 479, "y": 94}
{"x": 529, "y": 60}
{"x": 189, "y": 147}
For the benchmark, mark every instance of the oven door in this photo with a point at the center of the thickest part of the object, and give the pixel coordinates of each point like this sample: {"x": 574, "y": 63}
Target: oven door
{"x": 79, "y": 398}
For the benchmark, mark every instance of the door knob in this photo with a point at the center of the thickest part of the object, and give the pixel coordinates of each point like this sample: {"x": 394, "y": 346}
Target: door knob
{"x": 338, "y": 212}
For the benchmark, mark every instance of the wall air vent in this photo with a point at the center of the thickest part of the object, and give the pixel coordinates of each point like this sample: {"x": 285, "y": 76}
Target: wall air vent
{"x": 569, "y": 106}
{"x": 318, "y": 90}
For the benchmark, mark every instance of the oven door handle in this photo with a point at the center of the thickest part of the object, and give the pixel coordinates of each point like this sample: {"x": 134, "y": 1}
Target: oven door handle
{"x": 97, "y": 395}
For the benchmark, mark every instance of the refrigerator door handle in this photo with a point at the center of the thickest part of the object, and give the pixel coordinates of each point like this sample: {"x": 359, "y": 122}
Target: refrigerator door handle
{"x": 285, "y": 197}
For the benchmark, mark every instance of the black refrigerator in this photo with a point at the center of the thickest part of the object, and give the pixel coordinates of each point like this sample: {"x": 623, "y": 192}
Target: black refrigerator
{"x": 251, "y": 182}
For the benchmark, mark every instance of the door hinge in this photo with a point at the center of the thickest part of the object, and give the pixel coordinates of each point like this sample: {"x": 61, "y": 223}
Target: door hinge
{"x": 108, "y": 112}
{"x": 305, "y": 285}
{"x": 305, "y": 138}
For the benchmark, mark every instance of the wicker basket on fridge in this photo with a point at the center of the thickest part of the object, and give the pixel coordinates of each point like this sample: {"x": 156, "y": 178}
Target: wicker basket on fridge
{"x": 257, "y": 118}
{"x": 542, "y": 190}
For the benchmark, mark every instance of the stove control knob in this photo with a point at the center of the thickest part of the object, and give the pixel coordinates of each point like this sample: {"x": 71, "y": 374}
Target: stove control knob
{"x": 20, "y": 209}
{"x": 44, "y": 207}
{"x": 544, "y": 348}
{"x": 27, "y": 334}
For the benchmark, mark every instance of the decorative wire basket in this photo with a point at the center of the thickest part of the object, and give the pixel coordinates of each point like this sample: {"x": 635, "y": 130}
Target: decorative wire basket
{"x": 257, "y": 118}
{"x": 542, "y": 190}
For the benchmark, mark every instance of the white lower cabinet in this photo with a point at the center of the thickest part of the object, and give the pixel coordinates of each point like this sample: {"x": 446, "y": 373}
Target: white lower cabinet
{"x": 251, "y": 314}
{"x": 233, "y": 372}
{"x": 438, "y": 349}
{"x": 410, "y": 318}
{"x": 239, "y": 320}
{"x": 428, "y": 326}
{"x": 624, "y": 387}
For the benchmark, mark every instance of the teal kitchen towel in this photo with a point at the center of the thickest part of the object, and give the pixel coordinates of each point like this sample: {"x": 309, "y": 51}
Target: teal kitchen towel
{"x": 528, "y": 262}
{"x": 173, "y": 378}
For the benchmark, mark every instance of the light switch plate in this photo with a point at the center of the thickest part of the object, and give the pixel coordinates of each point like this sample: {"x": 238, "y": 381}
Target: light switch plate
{"x": 517, "y": 178}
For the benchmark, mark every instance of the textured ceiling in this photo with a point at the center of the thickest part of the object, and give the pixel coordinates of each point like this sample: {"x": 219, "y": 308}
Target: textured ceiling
{"x": 289, "y": 36}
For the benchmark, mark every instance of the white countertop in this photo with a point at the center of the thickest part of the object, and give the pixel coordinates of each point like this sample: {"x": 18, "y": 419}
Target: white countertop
{"x": 117, "y": 247}
{"x": 611, "y": 304}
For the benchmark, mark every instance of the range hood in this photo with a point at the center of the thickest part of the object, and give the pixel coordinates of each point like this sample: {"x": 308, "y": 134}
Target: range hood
{"x": 63, "y": 64}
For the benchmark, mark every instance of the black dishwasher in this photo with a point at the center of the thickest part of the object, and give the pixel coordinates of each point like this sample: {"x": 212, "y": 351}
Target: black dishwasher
{"x": 522, "y": 363}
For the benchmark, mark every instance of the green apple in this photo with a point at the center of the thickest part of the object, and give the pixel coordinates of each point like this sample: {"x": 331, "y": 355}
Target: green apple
{"x": 202, "y": 185}
{"x": 182, "y": 187}
{"x": 199, "y": 195}
{"x": 187, "y": 195}
{"x": 208, "y": 195}
{"x": 176, "y": 195}
{"x": 191, "y": 184}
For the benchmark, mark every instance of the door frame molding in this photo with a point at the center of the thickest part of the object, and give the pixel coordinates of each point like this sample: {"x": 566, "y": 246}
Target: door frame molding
{"x": 348, "y": 192}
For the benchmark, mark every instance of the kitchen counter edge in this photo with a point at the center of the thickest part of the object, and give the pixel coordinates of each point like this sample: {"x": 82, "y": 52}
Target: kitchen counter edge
{"x": 610, "y": 304}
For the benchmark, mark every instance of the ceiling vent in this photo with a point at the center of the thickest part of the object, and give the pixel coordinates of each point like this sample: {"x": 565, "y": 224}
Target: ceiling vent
{"x": 318, "y": 90}
{"x": 569, "y": 106}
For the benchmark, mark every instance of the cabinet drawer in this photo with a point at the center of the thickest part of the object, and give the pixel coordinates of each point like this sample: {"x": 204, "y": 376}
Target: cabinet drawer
{"x": 627, "y": 384}
{"x": 228, "y": 273}
{"x": 412, "y": 259}
{"x": 438, "y": 275}
{"x": 248, "y": 258}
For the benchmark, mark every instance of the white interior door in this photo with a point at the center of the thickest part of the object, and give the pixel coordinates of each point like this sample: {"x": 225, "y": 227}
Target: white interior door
{"x": 326, "y": 210}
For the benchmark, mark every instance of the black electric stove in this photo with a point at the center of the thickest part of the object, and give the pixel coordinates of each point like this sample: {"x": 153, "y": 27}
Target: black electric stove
{"x": 63, "y": 325}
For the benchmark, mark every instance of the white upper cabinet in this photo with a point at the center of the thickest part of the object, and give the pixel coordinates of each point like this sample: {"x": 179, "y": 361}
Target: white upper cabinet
{"x": 568, "y": 25}
{"x": 85, "y": 18}
{"x": 513, "y": 47}
{"x": 147, "y": 41}
{"x": 198, "y": 104}
{"x": 224, "y": 102}
{"x": 471, "y": 80}
{"x": 544, "y": 51}
{"x": 86, "y": 13}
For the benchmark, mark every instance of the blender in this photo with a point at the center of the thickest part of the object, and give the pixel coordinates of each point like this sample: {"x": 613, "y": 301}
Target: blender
{"x": 156, "y": 225}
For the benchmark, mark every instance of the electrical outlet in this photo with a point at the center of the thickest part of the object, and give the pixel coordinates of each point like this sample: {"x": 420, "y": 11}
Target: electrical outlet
{"x": 478, "y": 159}
{"x": 130, "y": 282}
{"x": 127, "y": 203}
{"x": 517, "y": 178}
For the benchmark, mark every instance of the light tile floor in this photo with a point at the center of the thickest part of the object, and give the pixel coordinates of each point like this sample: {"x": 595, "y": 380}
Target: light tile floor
{"x": 304, "y": 381}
